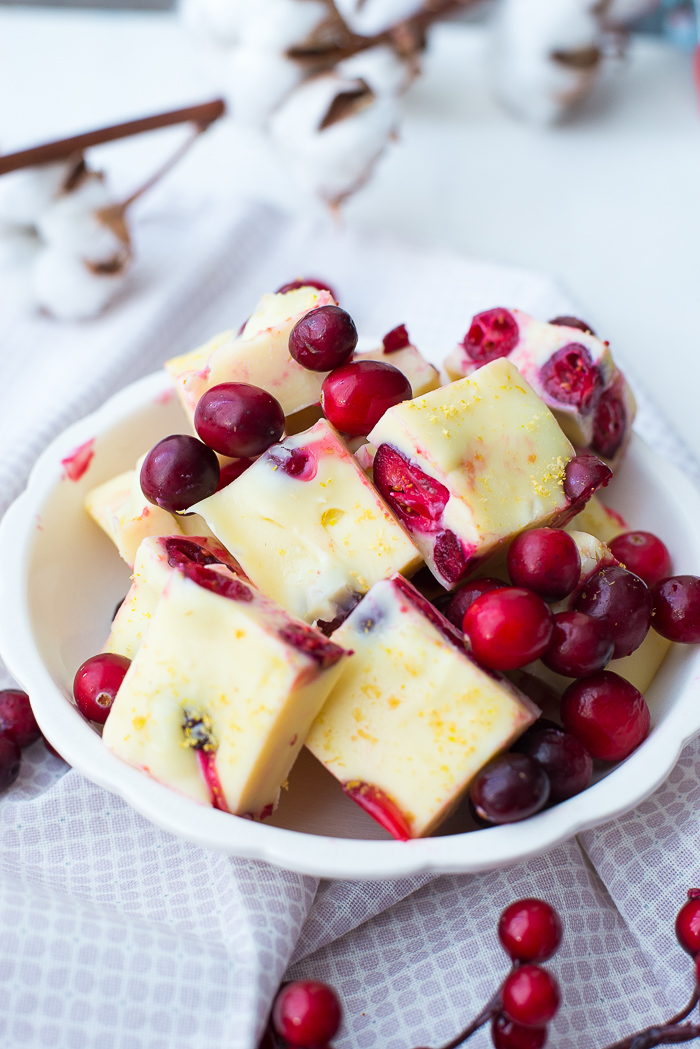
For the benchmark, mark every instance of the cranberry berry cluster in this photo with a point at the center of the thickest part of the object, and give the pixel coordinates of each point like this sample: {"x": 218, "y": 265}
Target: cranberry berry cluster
{"x": 307, "y": 1014}
{"x": 575, "y": 627}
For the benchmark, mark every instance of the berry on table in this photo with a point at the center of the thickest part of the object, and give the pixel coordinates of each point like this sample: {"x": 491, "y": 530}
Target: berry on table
{"x": 307, "y": 1013}
{"x": 580, "y": 645}
{"x": 237, "y": 419}
{"x": 508, "y": 628}
{"x": 324, "y": 339}
{"x": 530, "y": 996}
{"x": 530, "y": 930}
{"x": 17, "y": 720}
{"x": 688, "y": 924}
{"x": 607, "y": 714}
{"x": 508, "y": 1035}
{"x": 96, "y": 684}
{"x": 355, "y": 396}
{"x": 178, "y": 472}
{"x": 545, "y": 560}
{"x": 642, "y": 553}
{"x": 564, "y": 758}
{"x": 493, "y": 334}
{"x": 677, "y": 609}
{"x": 510, "y": 788}
{"x": 10, "y": 762}
{"x": 622, "y": 603}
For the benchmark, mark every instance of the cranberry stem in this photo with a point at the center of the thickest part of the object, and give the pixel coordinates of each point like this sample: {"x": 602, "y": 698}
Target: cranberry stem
{"x": 492, "y": 1007}
{"x": 670, "y": 1033}
{"x": 684, "y": 1013}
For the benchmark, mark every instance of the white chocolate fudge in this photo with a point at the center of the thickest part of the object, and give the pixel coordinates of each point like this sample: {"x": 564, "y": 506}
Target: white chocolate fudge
{"x": 599, "y": 520}
{"x": 412, "y": 718}
{"x": 259, "y": 355}
{"x": 308, "y": 527}
{"x": 156, "y": 559}
{"x": 422, "y": 376}
{"x": 221, "y": 694}
{"x": 574, "y": 374}
{"x": 594, "y": 555}
{"x": 467, "y": 467}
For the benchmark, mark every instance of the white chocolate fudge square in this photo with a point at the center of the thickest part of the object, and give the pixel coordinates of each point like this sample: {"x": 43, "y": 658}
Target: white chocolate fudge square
{"x": 308, "y": 527}
{"x": 470, "y": 465}
{"x": 412, "y": 718}
{"x": 258, "y": 356}
{"x": 156, "y": 559}
{"x": 422, "y": 376}
{"x": 598, "y": 520}
{"x": 221, "y": 694}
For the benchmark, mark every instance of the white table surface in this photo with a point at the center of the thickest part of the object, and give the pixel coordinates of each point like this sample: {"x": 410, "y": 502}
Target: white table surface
{"x": 609, "y": 204}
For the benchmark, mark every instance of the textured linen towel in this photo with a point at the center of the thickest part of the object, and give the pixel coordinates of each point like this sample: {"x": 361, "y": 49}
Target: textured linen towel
{"x": 115, "y": 935}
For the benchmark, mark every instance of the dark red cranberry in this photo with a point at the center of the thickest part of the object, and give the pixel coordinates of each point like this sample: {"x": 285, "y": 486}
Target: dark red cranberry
{"x": 380, "y": 807}
{"x": 493, "y": 334}
{"x": 396, "y": 339}
{"x": 312, "y": 643}
{"x": 10, "y": 762}
{"x": 218, "y": 583}
{"x": 530, "y": 996}
{"x": 607, "y": 714}
{"x": 449, "y": 557}
{"x": 510, "y": 788}
{"x": 231, "y": 471}
{"x": 688, "y": 924}
{"x": 239, "y": 420}
{"x": 609, "y": 423}
{"x": 182, "y": 551}
{"x": 17, "y": 720}
{"x": 583, "y": 476}
{"x": 307, "y": 1013}
{"x": 642, "y": 553}
{"x": 417, "y": 499}
{"x": 530, "y": 930}
{"x": 508, "y": 1035}
{"x": 564, "y": 758}
{"x": 355, "y": 396}
{"x": 178, "y": 472}
{"x": 466, "y": 596}
{"x": 622, "y": 603}
{"x": 580, "y": 645}
{"x": 324, "y": 339}
{"x": 508, "y": 628}
{"x": 572, "y": 322}
{"x": 306, "y": 282}
{"x": 677, "y": 609}
{"x": 570, "y": 377}
{"x": 296, "y": 462}
{"x": 96, "y": 684}
{"x": 545, "y": 560}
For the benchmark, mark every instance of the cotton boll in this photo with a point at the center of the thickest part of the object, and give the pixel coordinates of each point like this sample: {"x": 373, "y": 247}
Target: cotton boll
{"x": 277, "y": 25}
{"x": 332, "y": 130}
{"x": 71, "y": 289}
{"x": 256, "y": 81}
{"x": 546, "y": 55}
{"x": 380, "y": 68}
{"x": 73, "y": 222}
{"x": 220, "y": 20}
{"x": 368, "y": 17}
{"x": 24, "y": 194}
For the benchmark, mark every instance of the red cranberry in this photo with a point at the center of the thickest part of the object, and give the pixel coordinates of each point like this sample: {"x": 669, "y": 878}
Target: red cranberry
{"x": 583, "y": 476}
{"x": 417, "y": 499}
{"x": 296, "y": 462}
{"x": 688, "y": 924}
{"x": 178, "y": 472}
{"x": 563, "y": 757}
{"x": 239, "y": 420}
{"x": 449, "y": 556}
{"x": 508, "y": 1035}
{"x": 466, "y": 596}
{"x": 530, "y": 996}
{"x": 508, "y": 628}
{"x": 530, "y": 930}
{"x": 396, "y": 339}
{"x": 231, "y": 471}
{"x": 17, "y": 720}
{"x": 572, "y": 322}
{"x": 510, "y": 788}
{"x": 96, "y": 684}
{"x": 609, "y": 423}
{"x": 643, "y": 554}
{"x": 324, "y": 339}
{"x": 545, "y": 560}
{"x": 493, "y": 334}
{"x": 570, "y": 377}
{"x": 307, "y": 1013}
{"x": 677, "y": 609}
{"x": 306, "y": 282}
{"x": 580, "y": 645}
{"x": 10, "y": 762}
{"x": 380, "y": 807}
{"x": 622, "y": 603}
{"x": 355, "y": 396}
{"x": 607, "y": 714}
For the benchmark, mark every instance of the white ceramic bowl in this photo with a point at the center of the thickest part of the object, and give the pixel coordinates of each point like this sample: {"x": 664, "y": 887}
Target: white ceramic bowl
{"x": 61, "y": 579}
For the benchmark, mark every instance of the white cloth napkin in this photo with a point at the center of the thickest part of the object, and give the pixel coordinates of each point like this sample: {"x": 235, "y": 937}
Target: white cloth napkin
{"x": 114, "y": 935}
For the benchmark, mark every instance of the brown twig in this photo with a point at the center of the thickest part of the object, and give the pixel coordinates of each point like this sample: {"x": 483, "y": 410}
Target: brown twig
{"x": 201, "y": 115}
